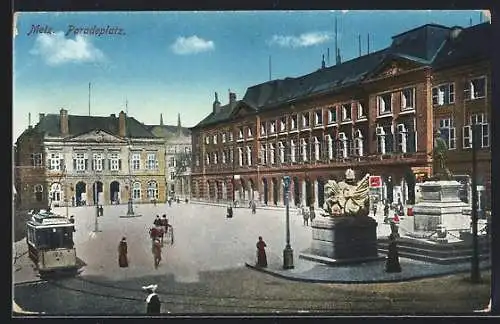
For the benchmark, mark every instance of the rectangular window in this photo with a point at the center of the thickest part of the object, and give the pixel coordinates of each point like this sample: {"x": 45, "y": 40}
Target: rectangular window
{"x": 384, "y": 103}
{"x": 224, "y": 157}
{"x": 151, "y": 161}
{"x": 97, "y": 162}
{"x": 249, "y": 155}
{"x": 447, "y": 131}
{"x": 114, "y": 162}
{"x": 136, "y": 161}
{"x": 408, "y": 99}
{"x": 305, "y": 120}
{"x": 443, "y": 94}
{"x": 216, "y": 157}
{"x": 207, "y": 140}
{"x": 484, "y": 132}
{"x": 263, "y": 128}
{"x": 207, "y": 158}
{"x": 272, "y": 153}
{"x": 332, "y": 115}
{"x": 240, "y": 156}
{"x": 361, "y": 110}
{"x": 303, "y": 149}
{"x": 346, "y": 112}
{"x": 55, "y": 162}
{"x": 36, "y": 159}
{"x": 283, "y": 124}
{"x": 294, "y": 122}
{"x": 292, "y": 151}
{"x": 230, "y": 136}
{"x": 172, "y": 175}
{"x": 475, "y": 88}
{"x": 318, "y": 114}
{"x": 80, "y": 162}
{"x": 272, "y": 127}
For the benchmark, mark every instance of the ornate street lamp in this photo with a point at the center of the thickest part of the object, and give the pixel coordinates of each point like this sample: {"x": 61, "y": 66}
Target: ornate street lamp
{"x": 130, "y": 205}
{"x": 287, "y": 252}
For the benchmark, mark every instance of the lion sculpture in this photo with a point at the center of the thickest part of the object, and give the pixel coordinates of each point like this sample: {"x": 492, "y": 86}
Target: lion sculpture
{"x": 347, "y": 198}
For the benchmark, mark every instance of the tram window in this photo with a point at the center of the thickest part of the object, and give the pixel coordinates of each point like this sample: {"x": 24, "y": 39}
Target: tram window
{"x": 43, "y": 238}
{"x": 67, "y": 237}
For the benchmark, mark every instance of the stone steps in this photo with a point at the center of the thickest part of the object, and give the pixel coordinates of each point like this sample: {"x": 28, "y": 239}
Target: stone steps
{"x": 444, "y": 253}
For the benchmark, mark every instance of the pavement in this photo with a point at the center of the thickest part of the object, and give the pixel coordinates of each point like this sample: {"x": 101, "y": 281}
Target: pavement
{"x": 207, "y": 245}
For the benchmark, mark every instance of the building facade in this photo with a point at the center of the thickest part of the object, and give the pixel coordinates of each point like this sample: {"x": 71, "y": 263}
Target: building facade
{"x": 375, "y": 114}
{"x": 85, "y": 160}
{"x": 177, "y": 157}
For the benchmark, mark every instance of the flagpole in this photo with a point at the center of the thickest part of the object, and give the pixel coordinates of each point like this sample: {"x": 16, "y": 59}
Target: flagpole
{"x": 89, "y": 98}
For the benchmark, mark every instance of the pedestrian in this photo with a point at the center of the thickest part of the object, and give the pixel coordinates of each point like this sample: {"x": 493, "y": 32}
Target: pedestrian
{"x": 169, "y": 202}
{"x": 312, "y": 214}
{"x": 229, "y": 212}
{"x": 396, "y": 218}
{"x": 122, "y": 253}
{"x": 153, "y": 304}
{"x": 157, "y": 221}
{"x": 101, "y": 211}
{"x": 166, "y": 228}
{"x": 254, "y": 207}
{"x": 261, "y": 253}
{"x": 305, "y": 215}
{"x": 154, "y": 202}
{"x": 386, "y": 212}
{"x": 392, "y": 261}
{"x": 156, "y": 252}
{"x": 374, "y": 209}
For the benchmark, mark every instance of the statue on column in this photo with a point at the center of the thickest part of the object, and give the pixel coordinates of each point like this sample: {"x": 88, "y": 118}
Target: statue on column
{"x": 440, "y": 171}
{"x": 348, "y": 198}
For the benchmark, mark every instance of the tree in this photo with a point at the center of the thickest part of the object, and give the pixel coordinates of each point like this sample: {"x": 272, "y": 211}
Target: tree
{"x": 182, "y": 163}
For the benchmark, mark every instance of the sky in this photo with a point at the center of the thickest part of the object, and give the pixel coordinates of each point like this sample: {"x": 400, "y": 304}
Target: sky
{"x": 173, "y": 62}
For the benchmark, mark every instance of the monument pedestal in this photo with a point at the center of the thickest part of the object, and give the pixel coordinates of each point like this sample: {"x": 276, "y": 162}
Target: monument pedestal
{"x": 440, "y": 205}
{"x": 344, "y": 239}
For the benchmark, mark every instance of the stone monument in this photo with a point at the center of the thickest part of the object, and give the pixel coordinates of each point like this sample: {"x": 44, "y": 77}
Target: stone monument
{"x": 440, "y": 206}
{"x": 345, "y": 233}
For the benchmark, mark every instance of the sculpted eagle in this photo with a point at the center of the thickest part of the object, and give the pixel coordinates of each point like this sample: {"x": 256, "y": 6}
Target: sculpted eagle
{"x": 345, "y": 199}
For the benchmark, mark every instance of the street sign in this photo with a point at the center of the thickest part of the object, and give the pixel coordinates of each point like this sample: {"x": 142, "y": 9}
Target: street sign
{"x": 375, "y": 181}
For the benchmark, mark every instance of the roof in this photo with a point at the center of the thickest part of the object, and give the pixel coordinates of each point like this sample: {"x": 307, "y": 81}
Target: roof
{"x": 223, "y": 114}
{"x": 50, "y": 125}
{"x": 473, "y": 43}
{"x": 423, "y": 45}
{"x": 167, "y": 131}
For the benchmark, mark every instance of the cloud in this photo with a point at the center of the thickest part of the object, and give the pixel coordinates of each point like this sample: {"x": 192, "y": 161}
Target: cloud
{"x": 56, "y": 49}
{"x": 191, "y": 45}
{"x": 345, "y": 11}
{"x": 303, "y": 40}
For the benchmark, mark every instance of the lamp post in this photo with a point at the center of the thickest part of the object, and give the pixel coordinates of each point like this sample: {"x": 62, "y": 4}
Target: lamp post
{"x": 475, "y": 274}
{"x": 96, "y": 200}
{"x": 130, "y": 205}
{"x": 287, "y": 252}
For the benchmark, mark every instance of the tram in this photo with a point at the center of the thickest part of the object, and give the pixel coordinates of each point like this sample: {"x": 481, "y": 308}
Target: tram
{"x": 50, "y": 242}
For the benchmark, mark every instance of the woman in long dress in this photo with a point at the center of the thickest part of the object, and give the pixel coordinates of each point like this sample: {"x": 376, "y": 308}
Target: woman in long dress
{"x": 122, "y": 253}
{"x": 261, "y": 253}
{"x": 156, "y": 253}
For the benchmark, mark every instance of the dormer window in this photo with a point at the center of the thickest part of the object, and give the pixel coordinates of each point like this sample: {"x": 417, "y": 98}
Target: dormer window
{"x": 408, "y": 99}
{"x": 346, "y": 112}
{"x": 361, "y": 110}
{"x": 272, "y": 127}
{"x": 294, "y": 122}
{"x": 215, "y": 139}
{"x": 305, "y": 120}
{"x": 207, "y": 140}
{"x": 283, "y": 124}
{"x": 332, "y": 115}
{"x": 249, "y": 132}
{"x": 384, "y": 103}
{"x": 240, "y": 134}
{"x": 318, "y": 120}
{"x": 263, "y": 129}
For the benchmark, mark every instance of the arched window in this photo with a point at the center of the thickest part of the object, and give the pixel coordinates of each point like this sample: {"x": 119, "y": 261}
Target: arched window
{"x": 136, "y": 190}
{"x": 55, "y": 192}
{"x": 152, "y": 190}
{"x": 38, "y": 190}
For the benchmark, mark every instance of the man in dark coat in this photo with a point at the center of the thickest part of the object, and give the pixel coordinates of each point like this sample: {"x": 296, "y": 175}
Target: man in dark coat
{"x": 153, "y": 304}
{"x": 261, "y": 253}
{"x": 122, "y": 253}
{"x": 157, "y": 221}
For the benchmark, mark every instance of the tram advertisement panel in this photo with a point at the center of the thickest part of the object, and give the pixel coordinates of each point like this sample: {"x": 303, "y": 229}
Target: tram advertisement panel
{"x": 60, "y": 258}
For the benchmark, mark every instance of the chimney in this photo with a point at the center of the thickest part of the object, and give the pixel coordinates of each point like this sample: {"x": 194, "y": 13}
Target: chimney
{"x": 216, "y": 104}
{"x": 232, "y": 99}
{"x": 121, "y": 124}
{"x": 179, "y": 127}
{"x": 63, "y": 121}
{"x": 40, "y": 116}
{"x": 29, "y": 120}
{"x": 323, "y": 62}
{"x": 161, "y": 119}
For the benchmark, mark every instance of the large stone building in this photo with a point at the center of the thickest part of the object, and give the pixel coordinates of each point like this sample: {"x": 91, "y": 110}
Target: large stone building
{"x": 377, "y": 114}
{"x": 177, "y": 157}
{"x": 71, "y": 158}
